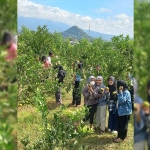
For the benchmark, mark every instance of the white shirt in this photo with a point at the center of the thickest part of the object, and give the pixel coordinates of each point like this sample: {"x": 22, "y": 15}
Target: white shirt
{"x": 49, "y": 60}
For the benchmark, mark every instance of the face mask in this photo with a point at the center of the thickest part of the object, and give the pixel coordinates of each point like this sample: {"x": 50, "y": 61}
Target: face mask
{"x": 92, "y": 82}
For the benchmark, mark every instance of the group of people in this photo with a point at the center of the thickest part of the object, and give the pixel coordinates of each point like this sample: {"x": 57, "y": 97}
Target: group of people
{"x": 98, "y": 98}
{"x": 115, "y": 97}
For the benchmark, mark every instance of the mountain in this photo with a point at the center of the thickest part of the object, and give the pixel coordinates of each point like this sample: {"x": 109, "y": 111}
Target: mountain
{"x": 33, "y": 23}
{"x": 76, "y": 33}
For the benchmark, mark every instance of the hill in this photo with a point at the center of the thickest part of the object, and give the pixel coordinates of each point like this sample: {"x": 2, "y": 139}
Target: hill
{"x": 76, "y": 33}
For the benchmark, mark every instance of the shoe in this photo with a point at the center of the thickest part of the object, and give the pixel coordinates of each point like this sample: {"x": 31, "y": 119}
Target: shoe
{"x": 59, "y": 103}
{"x": 115, "y": 138}
{"x": 109, "y": 130}
{"x": 114, "y": 132}
{"x": 96, "y": 128}
{"x": 102, "y": 132}
{"x": 118, "y": 140}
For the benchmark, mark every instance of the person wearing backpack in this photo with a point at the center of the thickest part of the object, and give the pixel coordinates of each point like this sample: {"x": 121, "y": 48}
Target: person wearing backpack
{"x": 60, "y": 76}
{"x": 76, "y": 91}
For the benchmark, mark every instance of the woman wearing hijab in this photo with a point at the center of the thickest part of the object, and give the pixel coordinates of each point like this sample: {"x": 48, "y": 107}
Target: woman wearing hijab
{"x": 112, "y": 106}
{"x": 124, "y": 110}
{"x": 91, "y": 81}
{"x": 90, "y": 99}
{"x": 102, "y": 103}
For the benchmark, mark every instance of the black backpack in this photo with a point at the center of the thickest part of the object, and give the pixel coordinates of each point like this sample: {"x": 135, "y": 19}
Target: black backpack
{"x": 62, "y": 73}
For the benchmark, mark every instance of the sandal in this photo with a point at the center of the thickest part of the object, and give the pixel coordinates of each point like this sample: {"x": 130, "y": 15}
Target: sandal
{"x": 118, "y": 140}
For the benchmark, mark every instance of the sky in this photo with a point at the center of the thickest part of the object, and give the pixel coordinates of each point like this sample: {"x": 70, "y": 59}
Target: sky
{"x": 104, "y": 16}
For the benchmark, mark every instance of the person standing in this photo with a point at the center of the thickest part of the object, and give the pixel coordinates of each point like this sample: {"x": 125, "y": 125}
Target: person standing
{"x": 45, "y": 62}
{"x": 60, "y": 76}
{"x": 76, "y": 91}
{"x": 102, "y": 103}
{"x": 112, "y": 106}
{"x": 124, "y": 110}
{"x": 90, "y": 100}
{"x": 45, "y": 73}
{"x": 51, "y": 54}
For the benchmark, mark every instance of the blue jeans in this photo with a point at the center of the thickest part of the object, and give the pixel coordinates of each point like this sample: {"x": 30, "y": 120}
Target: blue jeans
{"x": 112, "y": 120}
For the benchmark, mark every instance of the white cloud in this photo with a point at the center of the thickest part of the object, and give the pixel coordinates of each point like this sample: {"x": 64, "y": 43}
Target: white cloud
{"x": 121, "y": 16}
{"x": 103, "y": 10}
{"x": 119, "y": 24}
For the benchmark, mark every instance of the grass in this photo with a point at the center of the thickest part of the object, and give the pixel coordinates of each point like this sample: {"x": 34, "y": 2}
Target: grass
{"x": 7, "y": 117}
{"x": 29, "y": 123}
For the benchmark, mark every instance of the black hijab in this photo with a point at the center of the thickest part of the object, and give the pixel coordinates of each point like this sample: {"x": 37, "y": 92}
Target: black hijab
{"x": 112, "y": 88}
{"x": 122, "y": 83}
